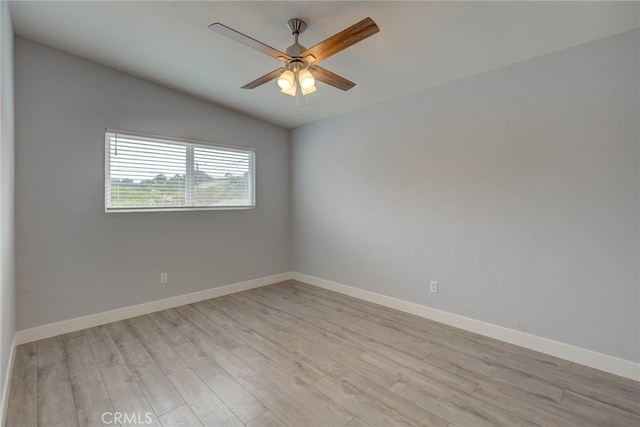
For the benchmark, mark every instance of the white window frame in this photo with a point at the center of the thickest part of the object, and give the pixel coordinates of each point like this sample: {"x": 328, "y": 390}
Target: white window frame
{"x": 188, "y": 143}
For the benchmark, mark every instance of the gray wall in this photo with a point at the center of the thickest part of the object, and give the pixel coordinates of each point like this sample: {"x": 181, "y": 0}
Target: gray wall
{"x": 7, "y": 283}
{"x": 517, "y": 189}
{"x": 72, "y": 258}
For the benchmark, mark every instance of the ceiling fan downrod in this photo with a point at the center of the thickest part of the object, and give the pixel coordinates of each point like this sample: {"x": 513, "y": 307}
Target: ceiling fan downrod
{"x": 297, "y": 27}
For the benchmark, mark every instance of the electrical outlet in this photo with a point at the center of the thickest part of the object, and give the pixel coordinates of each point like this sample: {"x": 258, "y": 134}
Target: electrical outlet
{"x": 433, "y": 287}
{"x": 163, "y": 278}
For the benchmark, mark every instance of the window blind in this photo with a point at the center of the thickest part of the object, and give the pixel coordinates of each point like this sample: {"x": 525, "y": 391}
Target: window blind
{"x": 146, "y": 172}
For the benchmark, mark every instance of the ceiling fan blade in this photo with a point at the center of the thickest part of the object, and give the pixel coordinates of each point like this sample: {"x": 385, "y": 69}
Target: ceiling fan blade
{"x": 264, "y": 79}
{"x": 248, "y": 41}
{"x": 325, "y": 76}
{"x": 342, "y": 40}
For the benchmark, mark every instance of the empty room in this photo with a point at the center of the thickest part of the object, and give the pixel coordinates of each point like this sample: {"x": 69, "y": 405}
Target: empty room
{"x": 319, "y": 213}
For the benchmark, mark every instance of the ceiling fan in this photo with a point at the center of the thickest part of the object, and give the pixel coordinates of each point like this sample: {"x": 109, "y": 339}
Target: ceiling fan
{"x": 300, "y": 68}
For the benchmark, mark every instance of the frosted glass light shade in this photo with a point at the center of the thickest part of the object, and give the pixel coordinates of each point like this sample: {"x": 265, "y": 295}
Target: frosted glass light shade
{"x": 286, "y": 80}
{"x": 307, "y": 91}
{"x": 291, "y": 91}
{"x": 306, "y": 79}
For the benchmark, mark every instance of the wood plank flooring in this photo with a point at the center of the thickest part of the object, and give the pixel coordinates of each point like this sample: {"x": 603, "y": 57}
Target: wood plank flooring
{"x": 291, "y": 354}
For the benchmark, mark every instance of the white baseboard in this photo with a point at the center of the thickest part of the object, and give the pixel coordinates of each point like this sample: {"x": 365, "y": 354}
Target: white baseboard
{"x": 71, "y": 325}
{"x": 603, "y": 362}
{"x": 4, "y": 398}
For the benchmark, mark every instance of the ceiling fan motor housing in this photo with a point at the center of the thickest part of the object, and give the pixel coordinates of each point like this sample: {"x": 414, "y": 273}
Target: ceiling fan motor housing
{"x": 295, "y": 50}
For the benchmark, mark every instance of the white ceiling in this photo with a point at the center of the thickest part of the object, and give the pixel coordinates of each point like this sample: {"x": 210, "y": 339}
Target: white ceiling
{"x": 420, "y": 44}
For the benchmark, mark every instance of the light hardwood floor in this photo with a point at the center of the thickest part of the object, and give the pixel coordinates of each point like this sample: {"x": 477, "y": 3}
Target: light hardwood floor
{"x": 292, "y": 354}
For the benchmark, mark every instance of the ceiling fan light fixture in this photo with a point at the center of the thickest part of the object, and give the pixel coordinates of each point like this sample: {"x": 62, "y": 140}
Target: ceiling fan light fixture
{"x": 287, "y": 80}
{"x": 306, "y": 79}
{"x": 307, "y": 91}
{"x": 291, "y": 91}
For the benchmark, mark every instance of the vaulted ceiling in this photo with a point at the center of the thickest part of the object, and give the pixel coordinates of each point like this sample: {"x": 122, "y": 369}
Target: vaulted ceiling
{"x": 420, "y": 44}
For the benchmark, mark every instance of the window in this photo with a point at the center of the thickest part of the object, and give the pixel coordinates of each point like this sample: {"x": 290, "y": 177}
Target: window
{"x": 151, "y": 173}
